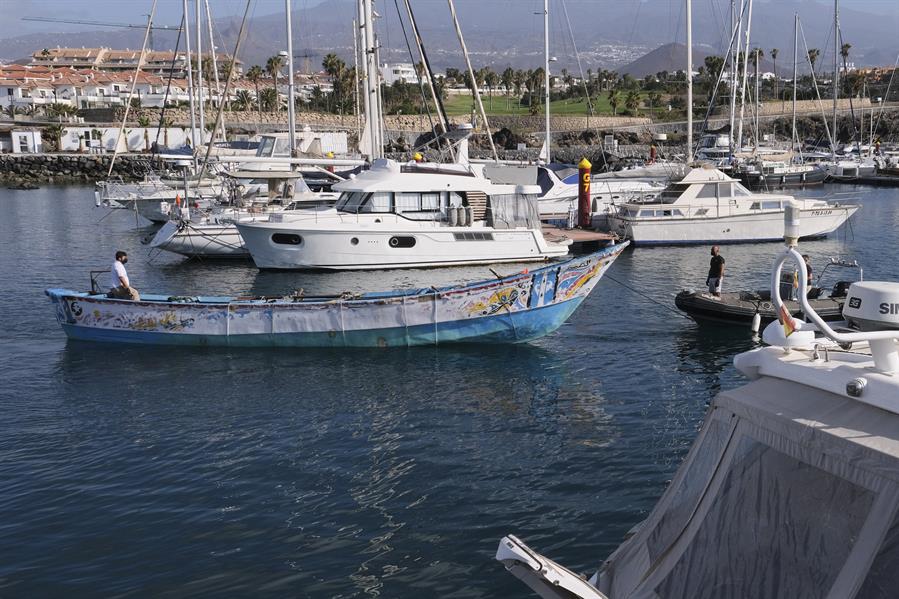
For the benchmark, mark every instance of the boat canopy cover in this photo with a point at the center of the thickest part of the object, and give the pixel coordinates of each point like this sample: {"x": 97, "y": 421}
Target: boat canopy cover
{"x": 788, "y": 491}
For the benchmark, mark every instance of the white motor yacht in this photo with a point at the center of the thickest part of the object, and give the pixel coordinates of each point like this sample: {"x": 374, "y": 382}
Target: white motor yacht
{"x": 791, "y": 488}
{"x": 407, "y": 215}
{"x": 707, "y": 206}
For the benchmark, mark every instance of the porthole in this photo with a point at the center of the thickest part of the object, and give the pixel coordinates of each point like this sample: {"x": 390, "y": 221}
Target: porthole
{"x": 287, "y": 239}
{"x": 354, "y": 241}
{"x": 402, "y": 242}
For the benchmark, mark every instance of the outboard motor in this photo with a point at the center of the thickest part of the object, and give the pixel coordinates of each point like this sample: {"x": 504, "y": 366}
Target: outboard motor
{"x": 872, "y": 306}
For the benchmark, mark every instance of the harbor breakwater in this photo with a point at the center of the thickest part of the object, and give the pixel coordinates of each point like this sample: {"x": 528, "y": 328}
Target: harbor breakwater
{"x": 35, "y": 169}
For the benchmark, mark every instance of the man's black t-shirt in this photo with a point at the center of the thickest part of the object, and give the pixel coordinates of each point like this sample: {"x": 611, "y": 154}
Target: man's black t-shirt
{"x": 715, "y": 266}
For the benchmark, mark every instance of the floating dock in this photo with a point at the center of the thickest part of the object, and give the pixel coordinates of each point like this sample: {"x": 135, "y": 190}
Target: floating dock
{"x": 579, "y": 235}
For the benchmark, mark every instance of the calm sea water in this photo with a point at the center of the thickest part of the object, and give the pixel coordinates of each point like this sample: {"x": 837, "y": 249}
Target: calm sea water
{"x": 390, "y": 473}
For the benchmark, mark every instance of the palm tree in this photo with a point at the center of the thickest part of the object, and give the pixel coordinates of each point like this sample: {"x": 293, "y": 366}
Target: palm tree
{"x": 491, "y": 79}
{"x": 12, "y": 110}
{"x": 844, "y": 53}
{"x": 55, "y": 133}
{"x": 519, "y": 83}
{"x": 508, "y": 81}
{"x": 254, "y": 74}
{"x": 243, "y": 99}
{"x": 335, "y": 68}
{"x": 632, "y": 102}
{"x": 268, "y": 97}
{"x": 813, "y": 55}
{"x": 273, "y": 67}
{"x": 614, "y": 100}
{"x": 773, "y": 53}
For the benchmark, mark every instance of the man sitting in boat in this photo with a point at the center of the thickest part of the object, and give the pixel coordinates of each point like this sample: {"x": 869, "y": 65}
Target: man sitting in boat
{"x": 120, "y": 287}
{"x": 716, "y": 272}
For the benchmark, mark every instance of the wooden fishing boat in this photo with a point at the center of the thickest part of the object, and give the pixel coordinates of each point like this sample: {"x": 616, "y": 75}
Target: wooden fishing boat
{"x": 515, "y": 308}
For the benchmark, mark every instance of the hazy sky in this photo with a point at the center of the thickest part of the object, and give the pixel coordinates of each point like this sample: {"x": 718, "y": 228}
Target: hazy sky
{"x": 169, "y": 11}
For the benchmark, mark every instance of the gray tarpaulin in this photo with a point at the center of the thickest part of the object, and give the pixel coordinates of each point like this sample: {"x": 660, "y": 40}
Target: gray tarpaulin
{"x": 788, "y": 492}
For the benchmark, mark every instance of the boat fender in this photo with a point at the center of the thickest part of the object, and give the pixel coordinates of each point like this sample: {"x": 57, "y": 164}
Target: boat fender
{"x": 756, "y": 322}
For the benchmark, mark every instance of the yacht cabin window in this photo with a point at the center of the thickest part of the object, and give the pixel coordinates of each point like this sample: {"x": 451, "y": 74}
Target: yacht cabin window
{"x": 266, "y": 147}
{"x": 708, "y": 190}
{"x": 377, "y": 202}
{"x": 412, "y": 205}
{"x": 770, "y": 205}
{"x": 282, "y": 146}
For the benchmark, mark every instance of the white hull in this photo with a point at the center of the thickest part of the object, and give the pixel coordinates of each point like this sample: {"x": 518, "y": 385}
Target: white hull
{"x": 361, "y": 249}
{"x": 200, "y": 241}
{"x": 765, "y": 226}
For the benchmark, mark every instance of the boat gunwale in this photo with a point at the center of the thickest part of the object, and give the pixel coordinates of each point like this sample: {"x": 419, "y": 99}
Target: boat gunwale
{"x": 374, "y": 297}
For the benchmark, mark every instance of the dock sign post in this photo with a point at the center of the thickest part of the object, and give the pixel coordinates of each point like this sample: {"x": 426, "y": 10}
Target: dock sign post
{"x": 583, "y": 194}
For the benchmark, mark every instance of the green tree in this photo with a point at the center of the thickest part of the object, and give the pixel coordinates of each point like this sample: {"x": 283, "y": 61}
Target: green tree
{"x": 614, "y": 101}
{"x": 813, "y": 55}
{"x": 773, "y": 54}
{"x": 273, "y": 68}
{"x": 268, "y": 99}
{"x": 54, "y": 133}
{"x": 632, "y": 102}
{"x": 508, "y": 81}
{"x": 243, "y": 99}
{"x": 254, "y": 76}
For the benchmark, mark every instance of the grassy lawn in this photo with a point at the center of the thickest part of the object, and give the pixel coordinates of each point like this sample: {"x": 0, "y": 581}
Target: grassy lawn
{"x": 502, "y": 105}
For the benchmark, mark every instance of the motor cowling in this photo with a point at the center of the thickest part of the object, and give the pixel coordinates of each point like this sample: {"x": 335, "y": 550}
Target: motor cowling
{"x": 872, "y": 306}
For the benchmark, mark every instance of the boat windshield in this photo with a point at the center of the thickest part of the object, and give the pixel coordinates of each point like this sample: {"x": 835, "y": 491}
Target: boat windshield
{"x": 266, "y": 147}
{"x": 673, "y": 191}
{"x": 351, "y": 201}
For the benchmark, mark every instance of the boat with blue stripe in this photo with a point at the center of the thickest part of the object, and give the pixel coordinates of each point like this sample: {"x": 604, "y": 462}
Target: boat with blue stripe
{"x": 510, "y": 309}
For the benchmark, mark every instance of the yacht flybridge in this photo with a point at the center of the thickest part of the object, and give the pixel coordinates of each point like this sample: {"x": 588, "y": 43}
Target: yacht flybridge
{"x": 707, "y": 206}
{"x": 791, "y": 488}
{"x": 407, "y": 215}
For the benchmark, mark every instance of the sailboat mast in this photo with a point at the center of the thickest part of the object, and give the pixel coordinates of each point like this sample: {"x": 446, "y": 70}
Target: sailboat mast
{"x": 735, "y": 50}
{"x": 836, "y": 70}
{"x": 546, "y": 75}
{"x": 795, "y": 75}
{"x": 356, "y": 105}
{"x": 190, "y": 77}
{"x": 291, "y": 115}
{"x": 200, "y": 72}
{"x": 689, "y": 80}
{"x": 372, "y": 82}
{"x": 758, "y": 104}
{"x": 474, "y": 79}
{"x": 745, "y": 80}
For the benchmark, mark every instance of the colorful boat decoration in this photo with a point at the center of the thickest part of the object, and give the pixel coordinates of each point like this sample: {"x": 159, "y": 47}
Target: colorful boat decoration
{"x": 516, "y": 308}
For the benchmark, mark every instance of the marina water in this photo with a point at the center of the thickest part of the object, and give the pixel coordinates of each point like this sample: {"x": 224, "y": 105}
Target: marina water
{"x": 349, "y": 473}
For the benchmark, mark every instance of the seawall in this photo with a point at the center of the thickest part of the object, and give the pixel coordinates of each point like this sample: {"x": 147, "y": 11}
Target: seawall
{"x": 40, "y": 169}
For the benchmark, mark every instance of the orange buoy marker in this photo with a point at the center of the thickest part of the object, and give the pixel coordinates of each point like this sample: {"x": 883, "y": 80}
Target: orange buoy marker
{"x": 583, "y": 194}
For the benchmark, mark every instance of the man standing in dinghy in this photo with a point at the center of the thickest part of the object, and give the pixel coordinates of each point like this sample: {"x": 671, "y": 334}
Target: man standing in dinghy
{"x": 716, "y": 272}
{"x": 120, "y": 285}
